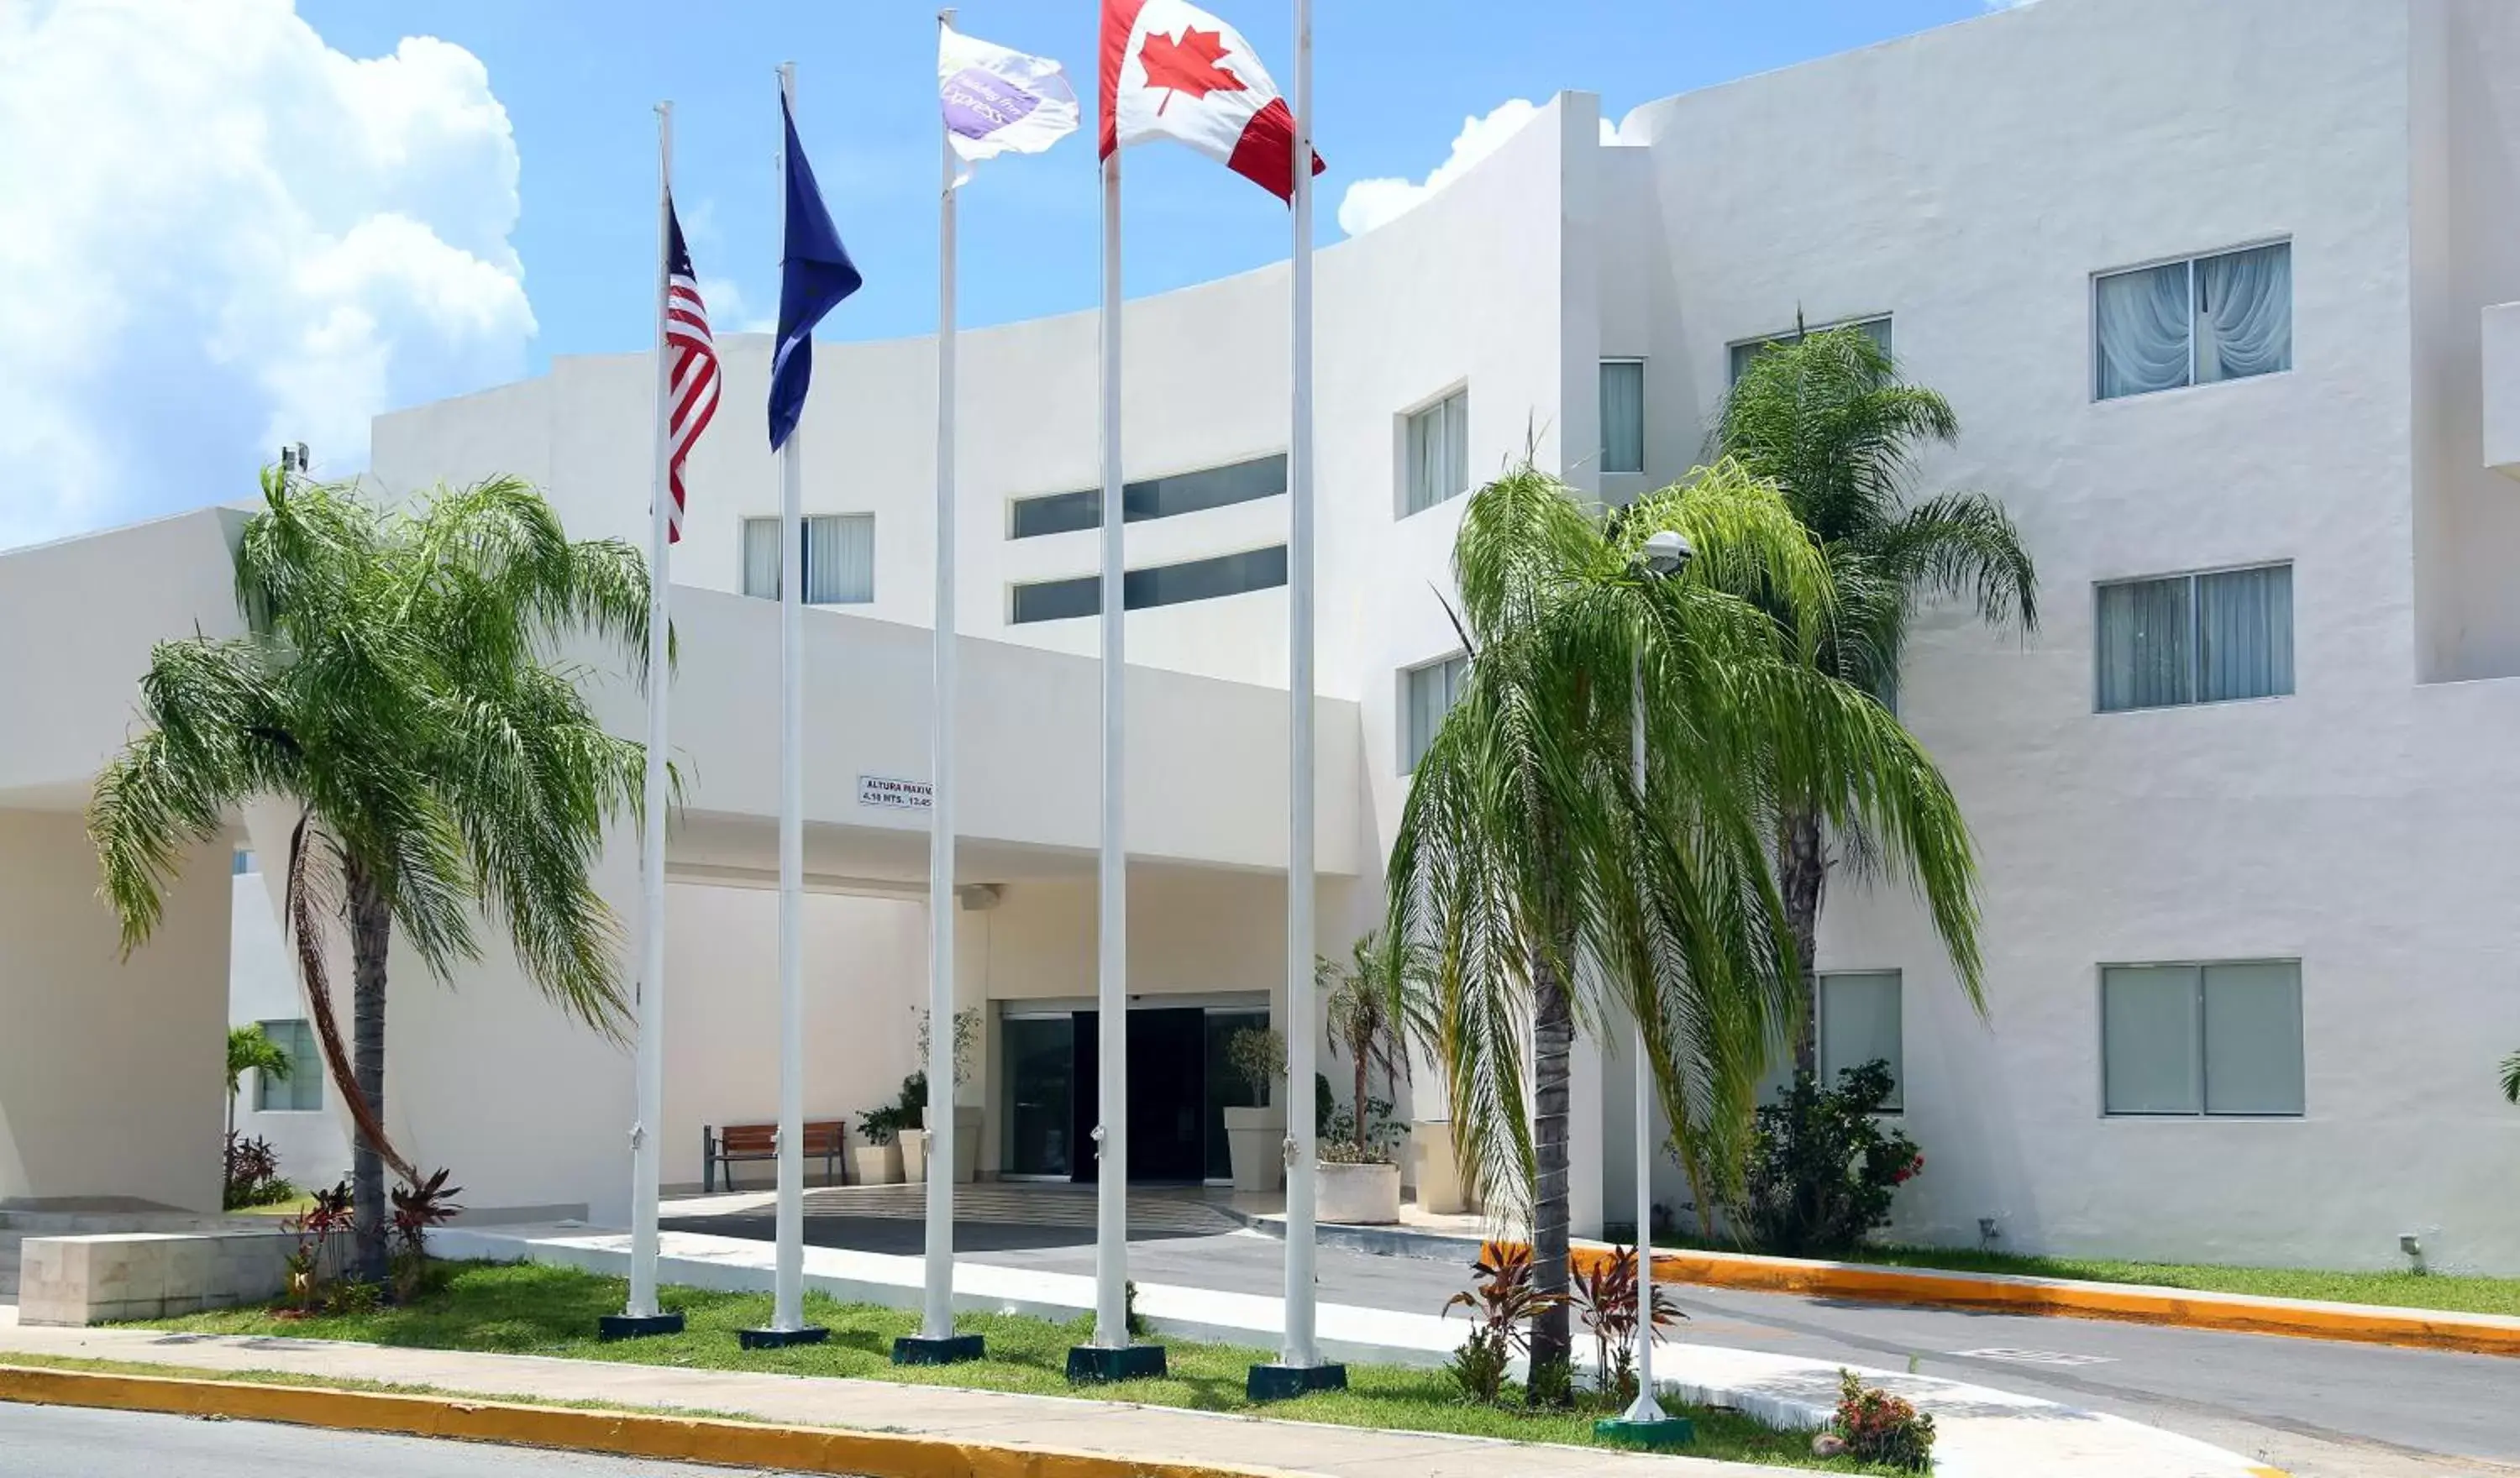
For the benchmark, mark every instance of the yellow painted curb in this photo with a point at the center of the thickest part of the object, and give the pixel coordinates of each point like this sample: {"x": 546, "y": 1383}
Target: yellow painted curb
{"x": 622, "y": 1434}
{"x": 2417, "y": 1328}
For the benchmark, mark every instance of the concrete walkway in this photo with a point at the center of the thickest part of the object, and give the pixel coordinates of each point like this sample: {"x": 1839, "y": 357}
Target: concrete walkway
{"x": 1983, "y": 1432}
{"x": 1036, "y": 1422}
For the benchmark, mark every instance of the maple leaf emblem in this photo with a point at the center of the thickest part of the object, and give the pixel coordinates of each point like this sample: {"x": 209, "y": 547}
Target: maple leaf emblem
{"x": 1188, "y": 64}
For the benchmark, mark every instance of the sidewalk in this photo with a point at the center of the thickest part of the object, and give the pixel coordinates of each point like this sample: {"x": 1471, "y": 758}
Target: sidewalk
{"x": 1031, "y": 1424}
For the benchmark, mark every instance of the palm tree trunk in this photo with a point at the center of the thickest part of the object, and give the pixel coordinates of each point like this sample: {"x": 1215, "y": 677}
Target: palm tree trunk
{"x": 1803, "y": 876}
{"x": 1553, "y": 1050}
{"x": 371, "y": 937}
{"x": 1362, "y": 1061}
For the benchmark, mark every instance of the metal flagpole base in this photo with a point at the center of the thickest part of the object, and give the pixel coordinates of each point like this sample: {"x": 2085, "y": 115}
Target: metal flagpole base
{"x": 780, "y": 1339}
{"x": 951, "y": 1349}
{"x": 1093, "y": 1365}
{"x": 1275, "y": 1382}
{"x": 1665, "y": 1432}
{"x": 614, "y": 1326}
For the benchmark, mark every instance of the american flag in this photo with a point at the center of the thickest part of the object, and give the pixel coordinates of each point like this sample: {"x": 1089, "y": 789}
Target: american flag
{"x": 691, "y": 391}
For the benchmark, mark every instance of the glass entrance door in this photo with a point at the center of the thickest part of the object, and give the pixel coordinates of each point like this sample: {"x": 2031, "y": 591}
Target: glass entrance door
{"x": 1039, "y": 1053}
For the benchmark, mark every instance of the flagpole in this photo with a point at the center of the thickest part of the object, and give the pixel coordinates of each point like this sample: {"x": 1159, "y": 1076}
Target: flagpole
{"x": 641, "y": 1316}
{"x": 936, "y": 1324}
{"x": 788, "y": 1313}
{"x": 1299, "y": 1353}
{"x": 1112, "y": 1176}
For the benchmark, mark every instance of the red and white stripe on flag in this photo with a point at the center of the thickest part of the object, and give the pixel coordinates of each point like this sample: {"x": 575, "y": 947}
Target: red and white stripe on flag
{"x": 692, "y": 384}
{"x": 1171, "y": 71}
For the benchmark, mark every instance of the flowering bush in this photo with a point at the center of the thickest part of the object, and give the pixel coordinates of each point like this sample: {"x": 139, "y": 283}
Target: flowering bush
{"x": 1822, "y": 1169}
{"x": 1880, "y": 1427}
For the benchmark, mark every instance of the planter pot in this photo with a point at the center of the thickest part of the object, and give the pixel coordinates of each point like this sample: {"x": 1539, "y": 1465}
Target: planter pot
{"x": 1358, "y": 1195}
{"x": 1257, "y": 1141}
{"x": 1438, "y": 1177}
{"x": 876, "y": 1164}
{"x": 967, "y": 1143}
{"x": 913, "y": 1156}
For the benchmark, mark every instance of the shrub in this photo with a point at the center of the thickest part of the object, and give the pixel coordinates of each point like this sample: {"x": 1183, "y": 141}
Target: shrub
{"x": 1338, "y": 1142}
{"x": 252, "y": 1176}
{"x": 1822, "y": 1169}
{"x": 1258, "y": 1057}
{"x": 1503, "y": 1302}
{"x": 1880, "y": 1427}
{"x": 1606, "y": 1299}
{"x": 417, "y": 1209}
{"x": 313, "y": 1265}
{"x": 881, "y": 1126}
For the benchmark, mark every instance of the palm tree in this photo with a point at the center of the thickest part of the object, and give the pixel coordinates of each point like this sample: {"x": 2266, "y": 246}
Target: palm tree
{"x": 1826, "y": 418}
{"x": 1551, "y": 892}
{"x": 1368, "y": 1001}
{"x": 2511, "y": 1077}
{"x": 398, "y": 688}
{"x": 252, "y": 1049}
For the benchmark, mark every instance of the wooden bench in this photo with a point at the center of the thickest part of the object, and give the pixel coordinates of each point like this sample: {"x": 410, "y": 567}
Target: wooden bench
{"x": 825, "y": 1138}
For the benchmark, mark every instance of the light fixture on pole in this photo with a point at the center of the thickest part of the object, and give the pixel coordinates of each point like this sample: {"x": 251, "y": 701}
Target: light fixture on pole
{"x": 1644, "y": 1423}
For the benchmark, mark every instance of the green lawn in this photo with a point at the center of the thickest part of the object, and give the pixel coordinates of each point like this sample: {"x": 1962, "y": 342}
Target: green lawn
{"x": 2406, "y": 1291}
{"x": 517, "y": 1309}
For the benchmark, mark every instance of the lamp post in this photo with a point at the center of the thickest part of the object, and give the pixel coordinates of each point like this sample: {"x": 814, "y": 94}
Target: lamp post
{"x": 1644, "y": 1422}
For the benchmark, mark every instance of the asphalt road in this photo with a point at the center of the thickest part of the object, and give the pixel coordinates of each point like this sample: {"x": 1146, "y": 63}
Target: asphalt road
{"x": 2316, "y": 1408}
{"x": 59, "y": 1442}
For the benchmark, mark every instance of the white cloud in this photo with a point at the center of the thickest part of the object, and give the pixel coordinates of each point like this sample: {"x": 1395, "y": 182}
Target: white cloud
{"x": 1368, "y": 203}
{"x": 225, "y": 235}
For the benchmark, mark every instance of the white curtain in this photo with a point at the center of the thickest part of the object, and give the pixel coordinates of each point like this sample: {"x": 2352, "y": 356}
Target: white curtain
{"x": 2244, "y": 313}
{"x": 839, "y": 559}
{"x": 1431, "y": 692}
{"x": 761, "y": 558}
{"x": 1860, "y": 1024}
{"x": 1623, "y": 416}
{"x": 2148, "y": 1048}
{"x": 2244, "y": 634}
{"x": 2143, "y": 644}
{"x": 2143, "y": 326}
{"x": 2253, "y": 1053}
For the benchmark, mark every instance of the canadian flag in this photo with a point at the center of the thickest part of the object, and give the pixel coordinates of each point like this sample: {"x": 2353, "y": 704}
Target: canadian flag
{"x": 1171, "y": 71}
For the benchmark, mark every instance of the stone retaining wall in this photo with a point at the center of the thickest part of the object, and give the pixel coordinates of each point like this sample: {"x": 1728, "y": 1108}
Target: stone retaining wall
{"x": 146, "y": 1274}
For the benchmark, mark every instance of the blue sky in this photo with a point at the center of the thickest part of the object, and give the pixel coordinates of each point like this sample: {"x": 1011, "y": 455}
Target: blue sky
{"x": 254, "y": 221}
{"x": 1395, "y": 79}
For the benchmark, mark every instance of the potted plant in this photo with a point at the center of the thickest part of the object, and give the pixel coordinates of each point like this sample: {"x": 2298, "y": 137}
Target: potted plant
{"x": 966, "y": 1116}
{"x": 1359, "y": 1162}
{"x": 1256, "y": 1136}
{"x": 876, "y": 1159}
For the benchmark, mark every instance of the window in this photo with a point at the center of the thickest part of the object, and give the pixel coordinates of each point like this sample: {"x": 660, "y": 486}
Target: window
{"x": 241, "y": 863}
{"x": 839, "y": 559}
{"x": 1876, "y": 328}
{"x": 2201, "y": 1039}
{"x": 1163, "y": 585}
{"x": 2194, "y": 322}
{"x": 1154, "y": 498}
{"x": 303, "y": 1091}
{"x": 1426, "y": 694}
{"x": 1623, "y": 415}
{"x": 1436, "y": 460}
{"x": 2195, "y": 639}
{"x": 1858, "y": 1023}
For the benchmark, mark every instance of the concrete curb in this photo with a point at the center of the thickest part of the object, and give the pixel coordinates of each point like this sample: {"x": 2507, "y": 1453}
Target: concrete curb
{"x": 2008, "y": 1293}
{"x": 621, "y": 1434}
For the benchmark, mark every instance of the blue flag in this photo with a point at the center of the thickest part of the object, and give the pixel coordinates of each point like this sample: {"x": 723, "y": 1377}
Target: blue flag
{"x": 815, "y": 274}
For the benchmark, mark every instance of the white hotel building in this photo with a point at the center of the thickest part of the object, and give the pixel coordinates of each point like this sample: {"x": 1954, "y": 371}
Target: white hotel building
{"x": 2212, "y": 284}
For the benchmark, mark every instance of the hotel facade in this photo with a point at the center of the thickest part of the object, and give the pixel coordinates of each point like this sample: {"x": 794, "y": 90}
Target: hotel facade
{"x": 2220, "y": 319}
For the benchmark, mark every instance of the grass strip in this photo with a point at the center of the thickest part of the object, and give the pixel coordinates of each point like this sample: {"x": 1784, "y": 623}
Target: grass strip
{"x": 524, "y": 1309}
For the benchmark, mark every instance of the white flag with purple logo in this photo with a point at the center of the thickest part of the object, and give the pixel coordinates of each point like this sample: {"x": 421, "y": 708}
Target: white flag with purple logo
{"x": 998, "y": 101}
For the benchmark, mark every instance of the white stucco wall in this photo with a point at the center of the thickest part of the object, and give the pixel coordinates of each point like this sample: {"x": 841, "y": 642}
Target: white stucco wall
{"x": 111, "y": 1069}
